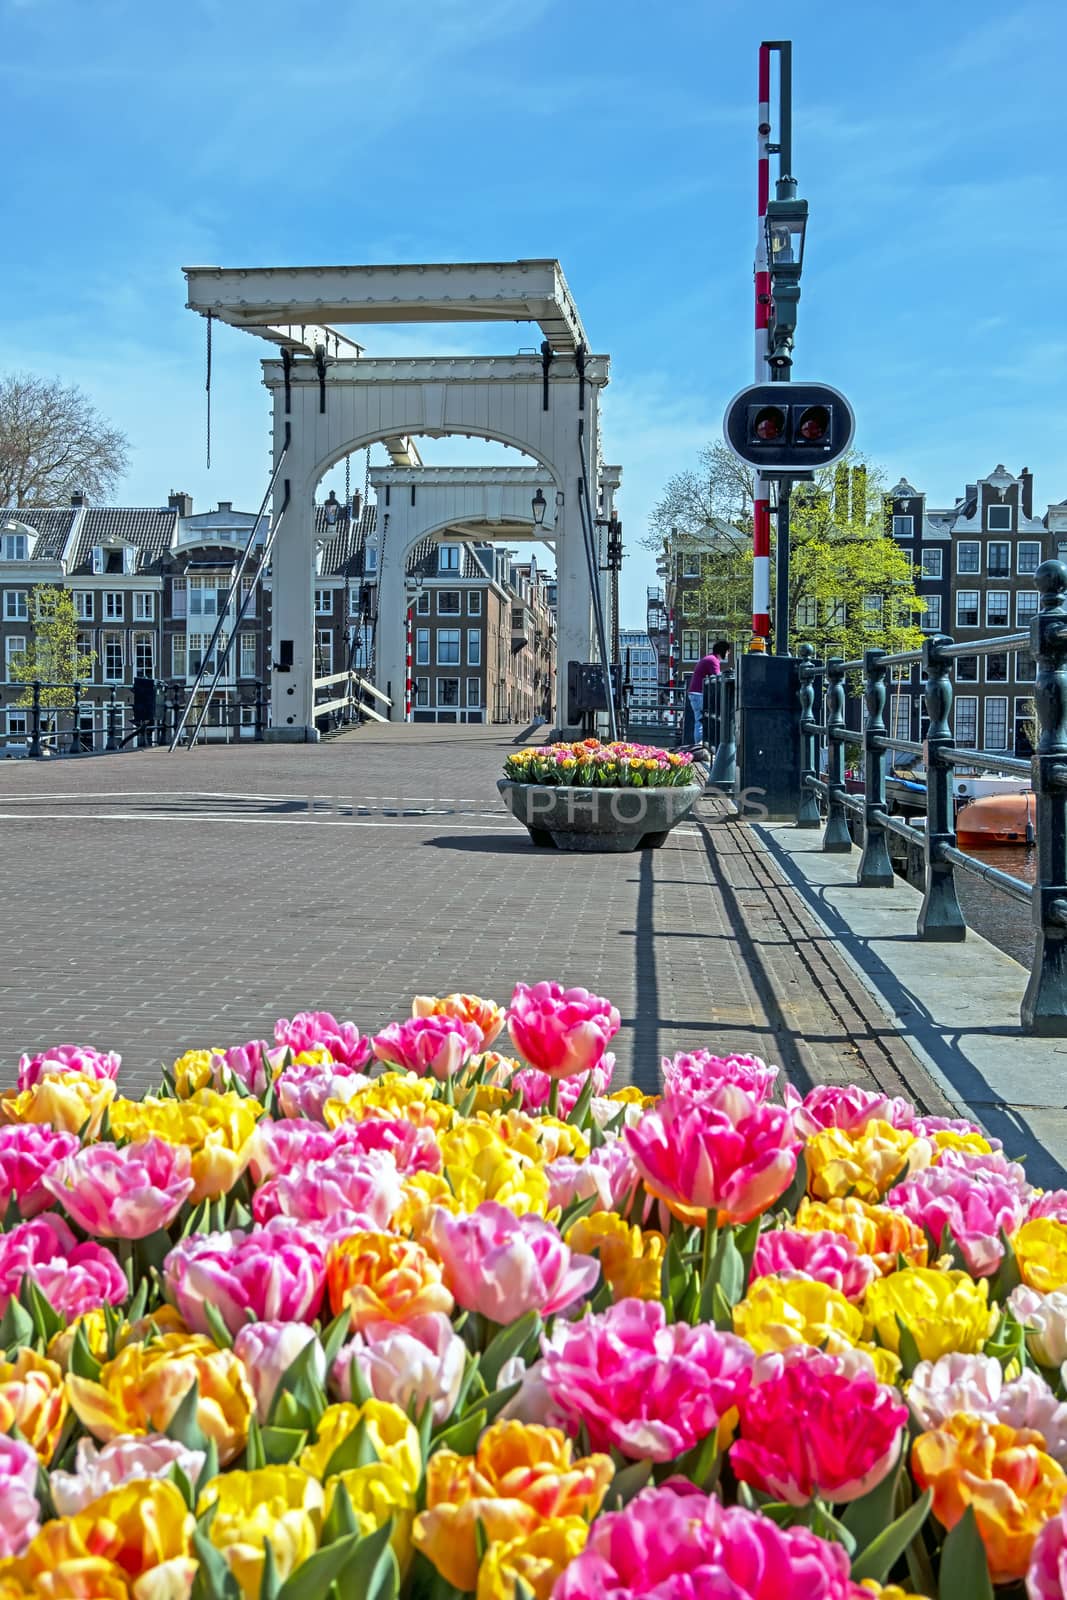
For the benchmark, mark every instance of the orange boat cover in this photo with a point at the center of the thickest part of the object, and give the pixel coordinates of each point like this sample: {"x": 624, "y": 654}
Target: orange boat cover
{"x": 997, "y": 819}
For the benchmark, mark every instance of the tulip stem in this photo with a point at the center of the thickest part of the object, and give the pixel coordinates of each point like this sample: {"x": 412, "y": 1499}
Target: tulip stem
{"x": 553, "y": 1098}
{"x": 711, "y": 1240}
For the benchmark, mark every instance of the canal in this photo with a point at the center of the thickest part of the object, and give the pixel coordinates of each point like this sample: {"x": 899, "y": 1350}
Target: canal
{"x": 1002, "y": 920}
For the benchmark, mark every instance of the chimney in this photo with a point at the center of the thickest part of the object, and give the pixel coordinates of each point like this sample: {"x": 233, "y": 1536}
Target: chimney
{"x": 180, "y": 502}
{"x": 78, "y": 498}
{"x": 1026, "y": 479}
{"x": 225, "y": 505}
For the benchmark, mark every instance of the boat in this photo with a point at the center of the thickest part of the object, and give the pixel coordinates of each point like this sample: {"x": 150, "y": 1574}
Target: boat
{"x": 993, "y": 819}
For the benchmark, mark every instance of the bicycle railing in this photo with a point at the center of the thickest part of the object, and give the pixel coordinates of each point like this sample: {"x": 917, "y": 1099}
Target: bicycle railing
{"x": 1044, "y": 1005}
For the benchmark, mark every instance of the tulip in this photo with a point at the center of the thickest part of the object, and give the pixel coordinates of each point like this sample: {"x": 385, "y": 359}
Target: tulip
{"x": 561, "y": 1031}
{"x": 252, "y": 1065}
{"x": 721, "y": 1153}
{"x": 479, "y": 1166}
{"x": 942, "y": 1311}
{"x": 1041, "y": 1251}
{"x": 276, "y": 1273}
{"x": 19, "y": 1512}
{"x": 363, "y": 1188}
{"x": 1045, "y": 1319}
{"x": 409, "y": 1148}
{"x": 486, "y": 1015}
{"x": 318, "y": 1030}
{"x": 140, "y": 1529}
{"x": 693, "y": 1072}
{"x": 535, "y": 1087}
{"x": 631, "y": 1261}
{"x": 1050, "y": 1203}
{"x": 380, "y": 1278}
{"x": 833, "y": 1105}
{"x": 72, "y": 1103}
{"x": 1046, "y": 1577}
{"x": 876, "y": 1231}
{"x": 378, "y": 1494}
{"x": 863, "y": 1163}
{"x": 778, "y": 1313}
{"x": 535, "y": 1559}
{"x": 124, "y": 1460}
{"x": 1011, "y": 1484}
{"x": 961, "y": 1208}
{"x": 279, "y": 1147}
{"x": 831, "y": 1258}
{"x": 435, "y": 1046}
{"x": 217, "y": 1129}
{"x": 267, "y": 1350}
{"x": 502, "y": 1266}
{"x": 279, "y": 1504}
{"x": 27, "y": 1154}
{"x": 61, "y": 1060}
{"x": 307, "y": 1087}
{"x": 810, "y": 1431}
{"x": 608, "y": 1173}
{"x": 639, "y": 1385}
{"x": 393, "y": 1436}
{"x": 519, "y": 1477}
{"x": 976, "y": 1384}
{"x": 33, "y": 1400}
{"x": 123, "y": 1193}
{"x": 411, "y": 1364}
{"x": 141, "y": 1389}
{"x": 74, "y": 1278}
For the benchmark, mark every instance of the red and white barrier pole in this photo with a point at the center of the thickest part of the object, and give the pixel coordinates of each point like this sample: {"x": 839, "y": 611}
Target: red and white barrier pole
{"x": 761, "y": 510}
{"x": 409, "y": 682}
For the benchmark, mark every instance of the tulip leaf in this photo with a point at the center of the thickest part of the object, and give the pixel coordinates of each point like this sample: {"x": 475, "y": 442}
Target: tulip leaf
{"x": 495, "y": 1402}
{"x": 630, "y": 1481}
{"x": 827, "y": 1526}
{"x": 356, "y": 1450}
{"x": 462, "y": 1436}
{"x": 299, "y": 1384}
{"x": 184, "y": 1424}
{"x": 16, "y": 1326}
{"x": 341, "y": 1519}
{"x": 313, "y": 1578}
{"x": 214, "y": 1580}
{"x": 580, "y": 1110}
{"x": 43, "y": 1491}
{"x": 210, "y": 1469}
{"x": 46, "y": 1320}
{"x": 219, "y": 1331}
{"x": 282, "y": 1445}
{"x": 471, "y": 1372}
{"x": 358, "y": 1384}
{"x": 730, "y": 1267}
{"x": 137, "y": 1305}
{"x": 792, "y": 1197}
{"x": 885, "y": 1549}
{"x": 333, "y": 1336}
{"x": 12, "y": 1216}
{"x": 1008, "y": 1276}
{"x": 83, "y": 1363}
{"x": 578, "y": 1209}
{"x": 510, "y": 1342}
{"x": 269, "y": 1582}
{"x": 909, "y": 1350}
{"x": 964, "y": 1569}
{"x": 181, "y": 1482}
{"x": 255, "y": 1455}
{"x": 702, "y": 1463}
{"x": 866, "y": 1517}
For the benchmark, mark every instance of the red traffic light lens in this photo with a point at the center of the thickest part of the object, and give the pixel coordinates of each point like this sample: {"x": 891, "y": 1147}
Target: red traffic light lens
{"x": 814, "y": 425}
{"x": 769, "y": 424}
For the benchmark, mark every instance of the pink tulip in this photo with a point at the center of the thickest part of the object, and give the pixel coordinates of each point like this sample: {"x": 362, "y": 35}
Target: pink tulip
{"x": 830, "y": 1258}
{"x": 561, "y": 1031}
{"x": 723, "y": 1153}
{"x": 345, "y": 1185}
{"x": 833, "y": 1105}
{"x": 962, "y": 1208}
{"x": 61, "y": 1059}
{"x": 639, "y": 1385}
{"x": 675, "y": 1543}
{"x": 279, "y": 1146}
{"x": 536, "y": 1087}
{"x": 608, "y": 1172}
{"x": 1053, "y": 1203}
{"x": 926, "y": 1127}
{"x": 73, "y": 1277}
{"x": 267, "y": 1350}
{"x": 27, "y": 1152}
{"x": 244, "y": 1064}
{"x": 485, "y": 1014}
{"x": 123, "y": 1192}
{"x": 318, "y": 1030}
{"x": 411, "y": 1149}
{"x": 306, "y": 1086}
{"x": 277, "y": 1273}
{"x": 99, "y": 1469}
{"x": 697, "y": 1070}
{"x": 502, "y": 1265}
{"x": 813, "y": 1431}
{"x": 412, "y": 1365}
{"x": 1047, "y": 1575}
{"x": 973, "y": 1383}
{"x": 20, "y": 1517}
{"x": 435, "y": 1046}
{"x": 986, "y": 1165}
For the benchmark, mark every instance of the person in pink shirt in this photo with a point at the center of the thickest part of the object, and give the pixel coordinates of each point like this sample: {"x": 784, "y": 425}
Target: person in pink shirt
{"x": 709, "y": 666}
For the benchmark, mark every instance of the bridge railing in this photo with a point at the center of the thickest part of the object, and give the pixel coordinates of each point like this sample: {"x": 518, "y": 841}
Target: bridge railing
{"x": 827, "y": 803}
{"x": 358, "y": 701}
{"x": 127, "y": 718}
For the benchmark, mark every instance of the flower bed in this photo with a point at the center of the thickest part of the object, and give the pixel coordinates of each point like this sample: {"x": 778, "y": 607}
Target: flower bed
{"x": 592, "y": 765}
{"x": 403, "y": 1314}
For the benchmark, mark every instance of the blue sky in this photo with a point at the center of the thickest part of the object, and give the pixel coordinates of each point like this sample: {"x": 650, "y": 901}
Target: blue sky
{"x": 618, "y": 137}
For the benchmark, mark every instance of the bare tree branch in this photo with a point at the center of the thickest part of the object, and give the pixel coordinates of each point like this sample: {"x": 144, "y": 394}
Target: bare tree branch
{"x": 53, "y": 443}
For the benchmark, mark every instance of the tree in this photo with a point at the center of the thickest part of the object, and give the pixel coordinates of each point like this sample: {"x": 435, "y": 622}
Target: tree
{"x": 53, "y": 442}
{"x": 718, "y": 492}
{"x": 54, "y": 654}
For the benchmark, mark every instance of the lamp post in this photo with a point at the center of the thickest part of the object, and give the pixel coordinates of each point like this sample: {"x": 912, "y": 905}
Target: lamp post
{"x": 332, "y": 509}
{"x": 414, "y": 590}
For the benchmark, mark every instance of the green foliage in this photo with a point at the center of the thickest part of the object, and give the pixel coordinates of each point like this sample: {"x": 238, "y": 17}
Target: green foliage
{"x": 52, "y": 655}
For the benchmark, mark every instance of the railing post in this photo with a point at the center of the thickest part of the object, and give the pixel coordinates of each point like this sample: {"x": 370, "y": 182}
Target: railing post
{"x": 74, "y": 747}
{"x": 836, "y": 837}
{"x": 112, "y": 723}
{"x": 808, "y": 815}
{"x": 724, "y": 767}
{"x": 940, "y": 916}
{"x": 875, "y": 870}
{"x": 1044, "y": 1007}
{"x": 35, "y": 720}
{"x": 258, "y": 736}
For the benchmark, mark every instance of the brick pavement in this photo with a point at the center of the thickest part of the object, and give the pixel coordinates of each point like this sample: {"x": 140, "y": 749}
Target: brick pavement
{"x": 156, "y": 902}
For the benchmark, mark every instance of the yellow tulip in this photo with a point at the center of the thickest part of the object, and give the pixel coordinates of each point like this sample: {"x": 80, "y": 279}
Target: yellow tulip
{"x": 862, "y": 1163}
{"x": 422, "y": 1191}
{"x": 943, "y": 1311}
{"x": 880, "y": 1232}
{"x": 378, "y": 1493}
{"x": 973, "y": 1143}
{"x": 393, "y": 1436}
{"x": 140, "y": 1390}
{"x": 134, "y": 1529}
{"x": 890, "y": 1591}
{"x": 71, "y": 1103}
{"x": 281, "y": 1504}
{"x": 217, "y": 1129}
{"x": 539, "y": 1139}
{"x": 33, "y": 1399}
{"x": 164, "y": 1319}
{"x": 631, "y": 1260}
{"x": 381, "y": 1278}
{"x": 536, "y": 1558}
{"x": 192, "y": 1071}
{"x": 1041, "y": 1250}
{"x": 480, "y": 1166}
{"x": 396, "y": 1095}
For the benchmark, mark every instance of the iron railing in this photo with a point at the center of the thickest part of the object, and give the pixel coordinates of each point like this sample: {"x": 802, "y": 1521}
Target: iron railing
{"x": 64, "y": 730}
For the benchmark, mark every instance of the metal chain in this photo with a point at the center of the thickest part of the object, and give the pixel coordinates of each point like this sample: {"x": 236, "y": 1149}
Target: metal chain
{"x": 207, "y": 386}
{"x": 348, "y": 485}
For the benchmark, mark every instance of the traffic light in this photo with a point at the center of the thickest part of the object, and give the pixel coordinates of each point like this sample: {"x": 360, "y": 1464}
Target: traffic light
{"x": 784, "y": 428}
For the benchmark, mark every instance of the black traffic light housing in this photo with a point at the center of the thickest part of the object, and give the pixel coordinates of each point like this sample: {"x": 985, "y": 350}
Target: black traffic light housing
{"x": 789, "y": 428}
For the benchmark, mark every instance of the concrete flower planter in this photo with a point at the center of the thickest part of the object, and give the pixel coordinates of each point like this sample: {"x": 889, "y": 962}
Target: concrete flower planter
{"x": 572, "y": 818}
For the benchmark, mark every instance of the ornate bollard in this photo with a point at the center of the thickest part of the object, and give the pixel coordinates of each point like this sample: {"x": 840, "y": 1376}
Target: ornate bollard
{"x": 875, "y": 870}
{"x": 723, "y": 773}
{"x": 836, "y": 837}
{"x": 74, "y": 748}
{"x": 940, "y": 916}
{"x": 808, "y": 815}
{"x": 112, "y": 724}
{"x": 1044, "y": 1007}
{"x": 35, "y": 721}
{"x": 261, "y": 719}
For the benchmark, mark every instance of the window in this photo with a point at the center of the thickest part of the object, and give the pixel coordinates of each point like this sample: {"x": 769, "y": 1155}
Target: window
{"x": 998, "y": 560}
{"x": 248, "y": 655}
{"x": 178, "y": 598}
{"x": 18, "y": 724}
{"x": 998, "y": 520}
{"x": 98, "y": 558}
{"x": 691, "y": 566}
{"x": 84, "y": 648}
{"x": 448, "y": 691}
{"x": 967, "y": 608}
{"x": 996, "y": 668}
{"x": 448, "y": 558}
{"x": 709, "y": 647}
{"x": 144, "y": 608}
{"x": 837, "y": 614}
{"x": 16, "y": 605}
{"x": 808, "y": 612}
{"x": 16, "y": 547}
{"x": 872, "y": 605}
{"x": 474, "y": 691}
{"x": 969, "y": 556}
{"x": 1061, "y": 549}
{"x": 177, "y": 655}
{"x": 324, "y": 652}
{"x": 1025, "y": 667}
{"x": 690, "y": 644}
{"x": 448, "y": 602}
{"x": 1024, "y": 725}
{"x": 83, "y": 605}
{"x": 447, "y": 648}
{"x": 323, "y": 603}
{"x": 996, "y": 722}
{"x": 14, "y": 646}
{"x": 422, "y": 646}
{"x": 474, "y": 647}
{"x": 966, "y": 669}
{"x": 966, "y": 721}
{"x": 930, "y": 621}
{"x": 1028, "y": 556}
{"x": 198, "y": 643}
{"x": 113, "y": 561}
{"x": 691, "y": 603}
{"x": 422, "y": 691}
{"x": 144, "y": 655}
{"x": 932, "y": 560}
{"x": 474, "y": 603}
{"x": 1025, "y": 606}
{"x": 422, "y": 603}
{"x": 113, "y": 606}
{"x": 205, "y": 599}
{"x": 113, "y": 657}
{"x": 370, "y": 558}
{"x": 997, "y": 603}
{"x": 903, "y": 527}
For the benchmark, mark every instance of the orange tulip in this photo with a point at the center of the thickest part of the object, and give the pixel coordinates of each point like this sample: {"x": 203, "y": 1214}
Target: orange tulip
{"x": 381, "y": 1278}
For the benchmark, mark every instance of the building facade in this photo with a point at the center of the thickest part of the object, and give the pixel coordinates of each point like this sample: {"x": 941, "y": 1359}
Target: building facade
{"x": 640, "y": 668}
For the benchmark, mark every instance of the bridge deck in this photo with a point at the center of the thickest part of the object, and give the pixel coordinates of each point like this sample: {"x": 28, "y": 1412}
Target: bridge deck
{"x": 157, "y": 902}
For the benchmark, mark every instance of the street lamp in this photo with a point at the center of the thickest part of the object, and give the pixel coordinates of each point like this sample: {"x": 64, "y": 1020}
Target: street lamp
{"x": 539, "y": 505}
{"x": 332, "y": 509}
{"x": 786, "y": 225}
